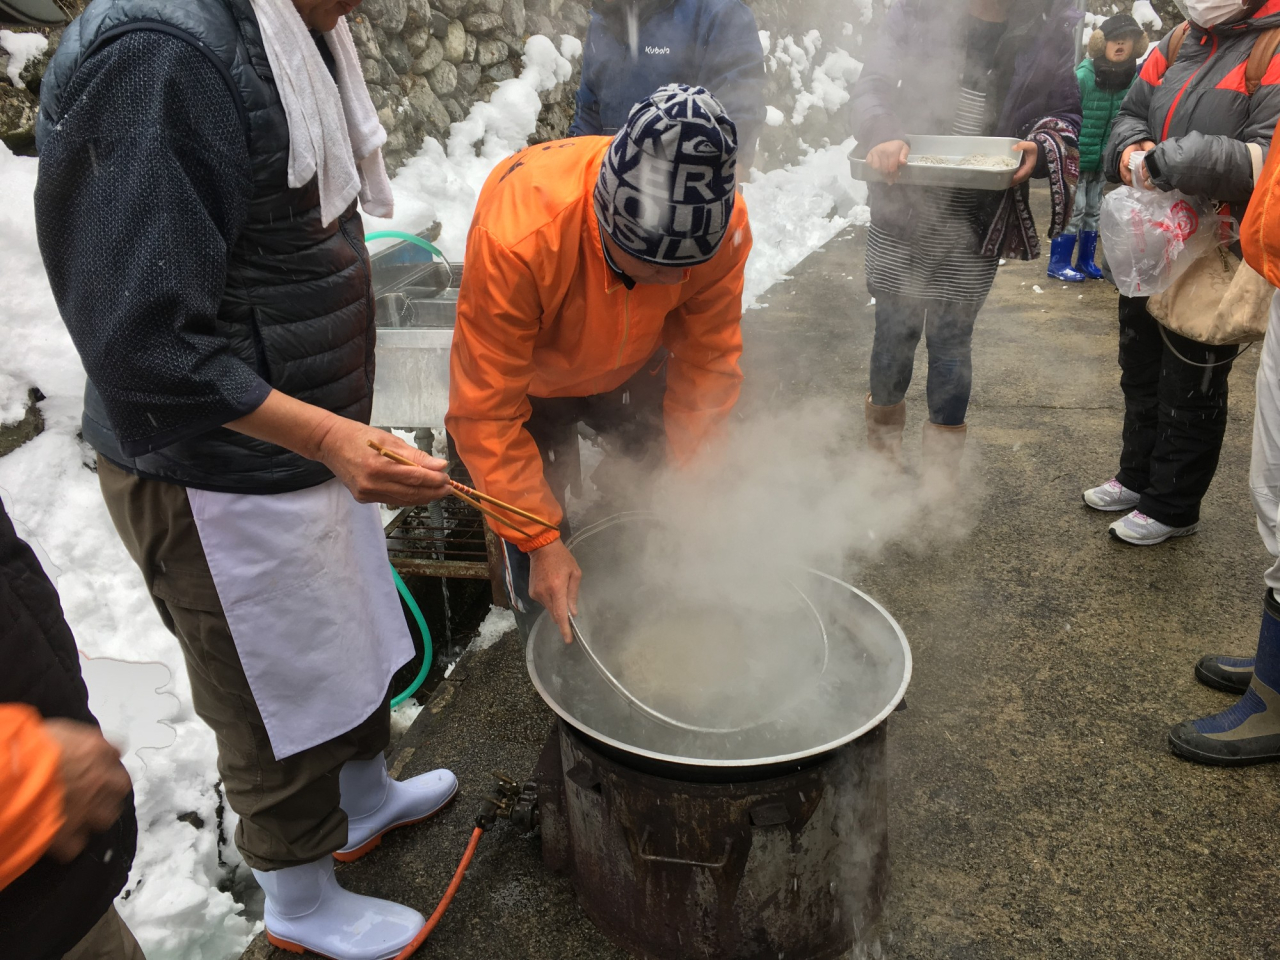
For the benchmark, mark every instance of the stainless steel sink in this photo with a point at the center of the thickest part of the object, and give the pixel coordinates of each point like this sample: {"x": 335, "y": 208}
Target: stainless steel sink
{"x": 416, "y": 299}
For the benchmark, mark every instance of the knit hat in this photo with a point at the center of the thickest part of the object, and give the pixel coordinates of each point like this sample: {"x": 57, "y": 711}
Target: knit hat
{"x": 667, "y": 185}
{"x": 1120, "y": 27}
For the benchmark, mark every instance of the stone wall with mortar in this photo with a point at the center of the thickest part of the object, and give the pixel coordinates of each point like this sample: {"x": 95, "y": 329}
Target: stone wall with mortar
{"x": 428, "y": 61}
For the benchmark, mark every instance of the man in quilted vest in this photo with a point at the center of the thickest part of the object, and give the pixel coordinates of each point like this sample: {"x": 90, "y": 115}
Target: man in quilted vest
{"x": 198, "y": 221}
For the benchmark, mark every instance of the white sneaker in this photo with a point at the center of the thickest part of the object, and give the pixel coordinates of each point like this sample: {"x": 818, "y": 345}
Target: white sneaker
{"x": 375, "y": 804}
{"x": 307, "y": 910}
{"x": 1140, "y": 530}
{"x": 1112, "y": 496}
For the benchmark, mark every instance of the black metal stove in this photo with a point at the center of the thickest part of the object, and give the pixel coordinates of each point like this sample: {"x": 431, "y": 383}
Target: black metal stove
{"x": 676, "y": 862}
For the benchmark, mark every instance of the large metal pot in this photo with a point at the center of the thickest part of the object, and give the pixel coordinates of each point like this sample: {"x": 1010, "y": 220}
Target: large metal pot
{"x": 768, "y": 842}
{"x": 849, "y": 664}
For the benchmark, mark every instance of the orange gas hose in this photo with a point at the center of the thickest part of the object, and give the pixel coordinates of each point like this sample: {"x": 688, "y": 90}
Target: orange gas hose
{"x": 447, "y": 899}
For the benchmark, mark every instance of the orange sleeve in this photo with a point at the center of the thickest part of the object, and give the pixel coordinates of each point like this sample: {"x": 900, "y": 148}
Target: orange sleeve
{"x": 1260, "y": 231}
{"x": 704, "y": 335}
{"x": 31, "y": 801}
{"x": 490, "y": 369}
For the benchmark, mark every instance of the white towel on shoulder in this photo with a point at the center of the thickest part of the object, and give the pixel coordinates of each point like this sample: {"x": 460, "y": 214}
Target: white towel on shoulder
{"x": 334, "y": 132}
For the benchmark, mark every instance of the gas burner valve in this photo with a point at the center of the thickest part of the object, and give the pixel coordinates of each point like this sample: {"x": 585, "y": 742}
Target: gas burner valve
{"x": 508, "y": 800}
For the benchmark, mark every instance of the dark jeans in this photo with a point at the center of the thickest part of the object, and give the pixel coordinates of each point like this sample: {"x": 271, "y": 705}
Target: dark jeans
{"x": 948, "y": 328}
{"x": 1175, "y": 415}
{"x": 630, "y": 425}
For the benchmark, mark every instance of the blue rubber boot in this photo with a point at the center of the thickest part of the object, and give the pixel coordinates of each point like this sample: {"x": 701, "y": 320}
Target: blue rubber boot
{"x": 1060, "y": 251}
{"x": 1249, "y": 731}
{"x": 1228, "y": 674}
{"x": 1085, "y": 256}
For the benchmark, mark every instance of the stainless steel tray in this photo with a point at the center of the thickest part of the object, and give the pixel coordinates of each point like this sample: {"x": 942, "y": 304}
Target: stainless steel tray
{"x": 937, "y": 175}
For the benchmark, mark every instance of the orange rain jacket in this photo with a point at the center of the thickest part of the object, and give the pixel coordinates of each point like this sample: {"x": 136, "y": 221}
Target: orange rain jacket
{"x": 31, "y": 801}
{"x": 541, "y": 314}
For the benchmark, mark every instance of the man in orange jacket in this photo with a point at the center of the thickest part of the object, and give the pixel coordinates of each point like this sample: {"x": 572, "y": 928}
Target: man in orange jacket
{"x": 67, "y": 826}
{"x": 602, "y": 284}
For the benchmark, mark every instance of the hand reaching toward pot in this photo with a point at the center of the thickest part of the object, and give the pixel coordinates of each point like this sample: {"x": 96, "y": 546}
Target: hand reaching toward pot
{"x": 554, "y": 576}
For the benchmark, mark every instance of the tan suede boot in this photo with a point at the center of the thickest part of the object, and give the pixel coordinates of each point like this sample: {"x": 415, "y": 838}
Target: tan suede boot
{"x": 884, "y": 431}
{"x": 942, "y": 449}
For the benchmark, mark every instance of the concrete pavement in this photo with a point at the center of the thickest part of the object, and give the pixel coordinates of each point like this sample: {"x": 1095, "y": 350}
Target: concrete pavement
{"x": 1035, "y": 810}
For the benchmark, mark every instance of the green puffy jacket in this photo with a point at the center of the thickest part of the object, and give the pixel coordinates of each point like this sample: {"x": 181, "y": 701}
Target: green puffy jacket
{"x": 1100, "y": 109}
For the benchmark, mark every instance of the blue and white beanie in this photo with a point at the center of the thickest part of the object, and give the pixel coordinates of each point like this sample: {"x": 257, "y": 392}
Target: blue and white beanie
{"x": 667, "y": 184}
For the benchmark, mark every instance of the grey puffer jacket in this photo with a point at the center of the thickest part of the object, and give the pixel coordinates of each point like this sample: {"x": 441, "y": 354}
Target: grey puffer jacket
{"x": 1199, "y": 113}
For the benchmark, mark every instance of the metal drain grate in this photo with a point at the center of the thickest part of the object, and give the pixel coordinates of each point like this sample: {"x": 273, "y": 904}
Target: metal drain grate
{"x": 446, "y": 539}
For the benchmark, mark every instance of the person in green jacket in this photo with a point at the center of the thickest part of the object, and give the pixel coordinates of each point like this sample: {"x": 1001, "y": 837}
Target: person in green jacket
{"x": 1105, "y": 77}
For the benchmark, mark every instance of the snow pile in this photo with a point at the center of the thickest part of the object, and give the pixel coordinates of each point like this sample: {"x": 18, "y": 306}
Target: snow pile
{"x": 496, "y": 625}
{"x": 796, "y": 210}
{"x": 21, "y": 48}
{"x": 824, "y": 84}
{"x": 174, "y": 902}
{"x": 829, "y": 85}
{"x": 1146, "y": 16}
{"x": 442, "y": 183}
{"x": 402, "y": 717}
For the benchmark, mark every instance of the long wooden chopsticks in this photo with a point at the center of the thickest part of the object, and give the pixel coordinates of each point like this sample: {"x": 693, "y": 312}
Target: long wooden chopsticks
{"x": 472, "y": 496}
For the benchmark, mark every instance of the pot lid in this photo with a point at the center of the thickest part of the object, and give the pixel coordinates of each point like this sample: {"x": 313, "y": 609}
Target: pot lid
{"x": 794, "y": 664}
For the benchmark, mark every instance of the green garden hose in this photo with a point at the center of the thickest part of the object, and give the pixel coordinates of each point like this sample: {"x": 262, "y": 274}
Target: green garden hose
{"x": 412, "y": 604}
{"x": 426, "y": 245}
{"x": 426, "y": 640}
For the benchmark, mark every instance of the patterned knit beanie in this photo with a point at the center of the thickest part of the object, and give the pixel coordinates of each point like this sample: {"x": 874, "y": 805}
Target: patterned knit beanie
{"x": 667, "y": 184}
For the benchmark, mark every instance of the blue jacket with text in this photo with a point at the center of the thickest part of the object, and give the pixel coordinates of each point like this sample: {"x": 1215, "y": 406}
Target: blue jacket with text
{"x": 633, "y": 47}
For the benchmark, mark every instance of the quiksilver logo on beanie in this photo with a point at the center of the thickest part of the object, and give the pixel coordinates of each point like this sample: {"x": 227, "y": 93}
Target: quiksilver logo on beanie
{"x": 667, "y": 184}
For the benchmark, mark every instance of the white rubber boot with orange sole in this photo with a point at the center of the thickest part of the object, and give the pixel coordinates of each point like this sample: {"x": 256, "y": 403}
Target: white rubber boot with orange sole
{"x": 375, "y": 804}
{"x": 306, "y": 910}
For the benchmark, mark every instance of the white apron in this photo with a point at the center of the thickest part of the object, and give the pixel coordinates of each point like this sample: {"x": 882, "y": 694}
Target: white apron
{"x": 306, "y": 587}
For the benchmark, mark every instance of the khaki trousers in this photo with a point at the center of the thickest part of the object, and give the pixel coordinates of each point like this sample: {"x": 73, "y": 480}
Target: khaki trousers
{"x": 110, "y": 939}
{"x": 289, "y": 809}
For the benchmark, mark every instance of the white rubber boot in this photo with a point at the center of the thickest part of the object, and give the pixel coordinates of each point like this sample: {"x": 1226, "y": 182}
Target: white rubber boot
{"x": 375, "y": 804}
{"x": 307, "y": 910}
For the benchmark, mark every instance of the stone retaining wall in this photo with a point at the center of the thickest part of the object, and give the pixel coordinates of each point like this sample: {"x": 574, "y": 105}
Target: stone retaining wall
{"x": 428, "y": 61}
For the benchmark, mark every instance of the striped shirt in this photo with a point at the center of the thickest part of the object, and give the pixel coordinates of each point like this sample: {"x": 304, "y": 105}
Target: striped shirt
{"x": 940, "y": 261}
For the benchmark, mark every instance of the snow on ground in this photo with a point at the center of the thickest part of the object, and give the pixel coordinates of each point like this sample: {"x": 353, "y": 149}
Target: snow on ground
{"x": 796, "y": 210}
{"x": 134, "y": 669}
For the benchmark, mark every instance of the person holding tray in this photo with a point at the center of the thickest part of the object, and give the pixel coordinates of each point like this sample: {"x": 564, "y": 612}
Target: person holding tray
{"x": 986, "y": 68}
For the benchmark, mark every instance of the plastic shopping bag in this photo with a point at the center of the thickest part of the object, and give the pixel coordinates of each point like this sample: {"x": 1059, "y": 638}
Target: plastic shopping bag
{"x": 1150, "y": 237}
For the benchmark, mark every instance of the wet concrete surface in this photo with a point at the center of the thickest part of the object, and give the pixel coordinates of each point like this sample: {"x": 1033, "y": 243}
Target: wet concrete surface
{"x": 1035, "y": 809}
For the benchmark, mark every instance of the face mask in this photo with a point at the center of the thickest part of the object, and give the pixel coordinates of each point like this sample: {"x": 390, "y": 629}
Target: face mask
{"x": 1210, "y": 13}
